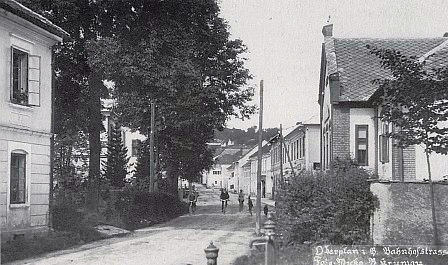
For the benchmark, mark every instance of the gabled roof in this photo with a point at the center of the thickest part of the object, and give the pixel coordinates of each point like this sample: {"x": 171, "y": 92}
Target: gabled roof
{"x": 265, "y": 149}
{"x": 356, "y": 67}
{"x": 33, "y": 17}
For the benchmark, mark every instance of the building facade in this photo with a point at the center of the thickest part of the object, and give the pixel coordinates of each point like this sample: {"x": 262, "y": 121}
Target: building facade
{"x": 26, "y": 104}
{"x": 350, "y": 122}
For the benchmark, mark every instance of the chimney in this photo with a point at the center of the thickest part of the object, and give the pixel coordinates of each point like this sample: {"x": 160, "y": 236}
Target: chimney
{"x": 327, "y": 30}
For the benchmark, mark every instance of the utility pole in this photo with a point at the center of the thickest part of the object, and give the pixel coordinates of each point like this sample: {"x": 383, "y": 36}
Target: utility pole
{"x": 260, "y": 156}
{"x": 281, "y": 152}
{"x": 151, "y": 147}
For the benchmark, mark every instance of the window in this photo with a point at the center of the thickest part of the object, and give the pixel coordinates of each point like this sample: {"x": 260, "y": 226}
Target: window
{"x": 216, "y": 172}
{"x": 384, "y": 144}
{"x": 25, "y": 78}
{"x": 18, "y": 179}
{"x": 361, "y": 144}
{"x": 136, "y": 144}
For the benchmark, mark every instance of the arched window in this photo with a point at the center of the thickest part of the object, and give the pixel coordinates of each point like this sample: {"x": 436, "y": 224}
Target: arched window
{"x": 18, "y": 181}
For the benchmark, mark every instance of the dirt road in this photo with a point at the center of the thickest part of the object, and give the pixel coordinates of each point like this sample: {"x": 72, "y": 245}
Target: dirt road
{"x": 180, "y": 241}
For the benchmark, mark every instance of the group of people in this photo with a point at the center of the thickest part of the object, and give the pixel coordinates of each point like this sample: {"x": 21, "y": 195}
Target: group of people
{"x": 224, "y": 197}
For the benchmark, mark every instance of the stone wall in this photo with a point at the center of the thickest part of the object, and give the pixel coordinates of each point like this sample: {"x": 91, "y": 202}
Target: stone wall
{"x": 404, "y": 215}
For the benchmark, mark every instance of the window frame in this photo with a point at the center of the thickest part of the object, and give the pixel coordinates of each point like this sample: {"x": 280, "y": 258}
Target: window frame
{"x": 359, "y": 140}
{"x": 23, "y": 185}
{"x": 25, "y": 149}
{"x": 136, "y": 147}
{"x": 21, "y": 78}
{"x": 31, "y": 79}
{"x": 384, "y": 144}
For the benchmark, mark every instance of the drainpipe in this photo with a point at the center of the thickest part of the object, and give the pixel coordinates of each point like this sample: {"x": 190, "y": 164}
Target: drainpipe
{"x": 376, "y": 129}
{"x": 50, "y": 199}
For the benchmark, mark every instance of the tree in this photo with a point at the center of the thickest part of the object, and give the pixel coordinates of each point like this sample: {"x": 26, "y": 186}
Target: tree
{"x": 78, "y": 86}
{"x": 415, "y": 100}
{"x": 116, "y": 166}
{"x": 178, "y": 55}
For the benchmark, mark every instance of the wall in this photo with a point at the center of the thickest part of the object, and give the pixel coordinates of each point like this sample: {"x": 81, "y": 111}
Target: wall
{"x": 439, "y": 165}
{"x": 340, "y": 133}
{"x": 363, "y": 116}
{"x": 404, "y": 215}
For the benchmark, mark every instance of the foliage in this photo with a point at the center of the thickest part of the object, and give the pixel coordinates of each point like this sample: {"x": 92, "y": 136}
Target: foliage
{"x": 415, "y": 99}
{"x": 248, "y": 137}
{"x": 70, "y": 168}
{"x": 176, "y": 54}
{"x": 115, "y": 168}
{"x": 332, "y": 208}
{"x": 25, "y": 248}
{"x": 142, "y": 208}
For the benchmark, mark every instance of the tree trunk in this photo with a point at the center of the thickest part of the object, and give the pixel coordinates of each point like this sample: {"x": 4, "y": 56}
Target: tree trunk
{"x": 433, "y": 209}
{"x": 95, "y": 124}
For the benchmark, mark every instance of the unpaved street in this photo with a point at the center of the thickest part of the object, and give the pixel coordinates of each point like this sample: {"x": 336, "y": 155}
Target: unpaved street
{"x": 181, "y": 241}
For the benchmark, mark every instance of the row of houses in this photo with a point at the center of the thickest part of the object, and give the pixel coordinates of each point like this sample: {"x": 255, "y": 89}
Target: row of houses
{"x": 350, "y": 124}
{"x": 236, "y": 167}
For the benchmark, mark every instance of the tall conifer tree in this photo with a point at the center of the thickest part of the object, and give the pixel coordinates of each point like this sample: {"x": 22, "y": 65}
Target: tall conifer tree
{"x": 115, "y": 169}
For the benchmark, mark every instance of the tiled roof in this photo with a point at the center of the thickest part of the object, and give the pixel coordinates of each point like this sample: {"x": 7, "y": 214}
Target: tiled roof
{"x": 357, "y": 67}
{"x": 26, "y": 13}
{"x": 438, "y": 57}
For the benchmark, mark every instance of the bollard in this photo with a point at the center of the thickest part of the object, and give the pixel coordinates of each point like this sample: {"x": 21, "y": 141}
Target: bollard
{"x": 269, "y": 227}
{"x": 211, "y": 253}
{"x": 268, "y": 240}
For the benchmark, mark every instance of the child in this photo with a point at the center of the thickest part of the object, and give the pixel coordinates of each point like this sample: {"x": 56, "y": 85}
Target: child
{"x": 249, "y": 202}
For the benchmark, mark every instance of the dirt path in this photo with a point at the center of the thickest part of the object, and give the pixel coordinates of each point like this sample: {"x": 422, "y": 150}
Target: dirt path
{"x": 180, "y": 241}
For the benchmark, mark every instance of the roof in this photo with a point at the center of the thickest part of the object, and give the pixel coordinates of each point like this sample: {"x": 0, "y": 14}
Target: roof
{"x": 265, "y": 149}
{"x": 33, "y": 17}
{"x": 228, "y": 158}
{"x": 351, "y": 60}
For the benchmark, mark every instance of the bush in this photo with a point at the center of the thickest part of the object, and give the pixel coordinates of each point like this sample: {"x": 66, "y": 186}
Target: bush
{"x": 24, "y": 248}
{"x": 330, "y": 208}
{"x": 142, "y": 208}
{"x": 68, "y": 218}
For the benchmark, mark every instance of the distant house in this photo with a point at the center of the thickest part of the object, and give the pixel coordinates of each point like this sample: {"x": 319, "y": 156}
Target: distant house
{"x": 300, "y": 150}
{"x": 241, "y": 174}
{"x": 350, "y": 123}
{"x": 131, "y": 139}
{"x": 26, "y": 106}
{"x": 266, "y": 172}
{"x": 219, "y": 176}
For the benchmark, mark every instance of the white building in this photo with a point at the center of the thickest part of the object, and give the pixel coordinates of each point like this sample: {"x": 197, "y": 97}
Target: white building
{"x": 26, "y": 109}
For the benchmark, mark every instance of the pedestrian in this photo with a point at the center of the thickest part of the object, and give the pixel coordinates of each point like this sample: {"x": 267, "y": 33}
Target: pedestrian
{"x": 224, "y": 198}
{"x": 265, "y": 210}
{"x": 241, "y": 200}
{"x": 251, "y": 205}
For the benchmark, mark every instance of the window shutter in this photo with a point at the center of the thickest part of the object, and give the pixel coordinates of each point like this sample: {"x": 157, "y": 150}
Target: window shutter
{"x": 34, "y": 80}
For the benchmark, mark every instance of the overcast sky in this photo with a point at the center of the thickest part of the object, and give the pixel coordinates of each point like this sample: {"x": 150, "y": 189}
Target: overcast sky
{"x": 284, "y": 40}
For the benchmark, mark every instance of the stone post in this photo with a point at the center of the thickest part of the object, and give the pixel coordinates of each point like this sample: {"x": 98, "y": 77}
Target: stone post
{"x": 269, "y": 227}
{"x": 211, "y": 253}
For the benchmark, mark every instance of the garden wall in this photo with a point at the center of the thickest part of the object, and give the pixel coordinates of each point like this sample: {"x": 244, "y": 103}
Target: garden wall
{"x": 404, "y": 213}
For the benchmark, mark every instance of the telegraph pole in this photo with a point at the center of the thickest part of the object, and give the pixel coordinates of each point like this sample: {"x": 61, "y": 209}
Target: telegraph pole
{"x": 260, "y": 156}
{"x": 151, "y": 147}
{"x": 281, "y": 153}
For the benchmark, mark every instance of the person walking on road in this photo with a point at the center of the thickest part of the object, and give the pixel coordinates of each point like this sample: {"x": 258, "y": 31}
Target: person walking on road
{"x": 224, "y": 198}
{"x": 193, "y": 198}
{"x": 241, "y": 200}
{"x": 265, "y": 210}
{"x": 251, "y": 205}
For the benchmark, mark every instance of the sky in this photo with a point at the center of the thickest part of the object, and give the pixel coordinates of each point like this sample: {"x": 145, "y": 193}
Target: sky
{"x": 284, "y": 40}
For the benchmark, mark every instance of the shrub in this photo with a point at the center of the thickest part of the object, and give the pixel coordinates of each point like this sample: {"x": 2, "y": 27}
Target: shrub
{"x": 24, "y": 248}
{"x": 331, "y": 208}
{"x": 68, "y": 218}
{"x": 142, "y": 208}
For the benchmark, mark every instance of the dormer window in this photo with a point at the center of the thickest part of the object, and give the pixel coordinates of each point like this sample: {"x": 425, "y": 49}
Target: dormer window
{"x": 25, "y": 78}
